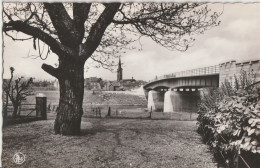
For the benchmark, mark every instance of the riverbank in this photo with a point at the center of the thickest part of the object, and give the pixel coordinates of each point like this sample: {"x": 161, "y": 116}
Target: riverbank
{"x": 97, "y": 97}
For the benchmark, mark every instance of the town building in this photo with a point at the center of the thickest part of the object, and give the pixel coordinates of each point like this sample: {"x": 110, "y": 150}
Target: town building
{"x": 125, "y": 84}
{"x": 93, "y": 83}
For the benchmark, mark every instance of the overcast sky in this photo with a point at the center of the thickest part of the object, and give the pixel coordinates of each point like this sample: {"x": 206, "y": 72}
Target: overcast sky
{"x": 237, "y": 37}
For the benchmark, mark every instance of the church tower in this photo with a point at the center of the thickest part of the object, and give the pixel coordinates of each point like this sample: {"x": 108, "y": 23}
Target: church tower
{"x": 119, "y": 71}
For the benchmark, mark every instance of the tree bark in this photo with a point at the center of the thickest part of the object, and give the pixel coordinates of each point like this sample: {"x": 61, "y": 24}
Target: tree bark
{"x": 70, "y": 110}
{"x": 5, "y": 108}
{"x": 15, "y": 111}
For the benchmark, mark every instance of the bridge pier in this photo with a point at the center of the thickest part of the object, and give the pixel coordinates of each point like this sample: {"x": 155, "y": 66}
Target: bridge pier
{"x": 168, "y": 105}
{"x": 146, "y": 93}
{"x": 181, "y": 101}
{"x": 155, "y": 100}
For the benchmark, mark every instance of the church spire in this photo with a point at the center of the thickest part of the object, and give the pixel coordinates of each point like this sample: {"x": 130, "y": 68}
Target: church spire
{"x": 119, "y": 63}
{"x": 119, "y": 71}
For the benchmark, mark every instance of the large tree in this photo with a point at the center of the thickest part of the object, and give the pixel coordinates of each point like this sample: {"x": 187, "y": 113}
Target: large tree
{"x": 76, "y": 32}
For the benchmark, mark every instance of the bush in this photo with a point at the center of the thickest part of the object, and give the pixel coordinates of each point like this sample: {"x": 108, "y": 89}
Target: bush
{"x": 229, "y": 121}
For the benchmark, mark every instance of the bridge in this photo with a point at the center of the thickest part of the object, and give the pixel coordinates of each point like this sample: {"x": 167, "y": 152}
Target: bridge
{"x": 180, "y": 91}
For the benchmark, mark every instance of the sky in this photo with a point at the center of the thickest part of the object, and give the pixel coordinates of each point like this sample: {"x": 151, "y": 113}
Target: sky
{"x": 237, "y": 38}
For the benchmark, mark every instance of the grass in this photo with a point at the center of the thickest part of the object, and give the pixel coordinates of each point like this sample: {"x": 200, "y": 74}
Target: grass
{"x": 108, "y": 143}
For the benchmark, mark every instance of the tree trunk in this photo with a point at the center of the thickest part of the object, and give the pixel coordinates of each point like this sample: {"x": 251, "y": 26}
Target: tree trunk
{"x": 19, "y": 110}
{"x": 70, "y": 110}
{"x": 5, "y": 109}
{"x": 15, "y": 110}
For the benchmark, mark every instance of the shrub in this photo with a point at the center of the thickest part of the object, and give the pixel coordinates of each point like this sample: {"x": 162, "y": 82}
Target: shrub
{"x": 229, "y": 120}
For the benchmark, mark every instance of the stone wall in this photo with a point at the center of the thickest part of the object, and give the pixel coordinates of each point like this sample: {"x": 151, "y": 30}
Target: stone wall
{"x": 228, "y": 70}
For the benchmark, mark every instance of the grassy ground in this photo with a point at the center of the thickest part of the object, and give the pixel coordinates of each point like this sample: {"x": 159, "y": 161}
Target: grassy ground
{"x": 108, "y": 143}
{"x": 117, "y": 100}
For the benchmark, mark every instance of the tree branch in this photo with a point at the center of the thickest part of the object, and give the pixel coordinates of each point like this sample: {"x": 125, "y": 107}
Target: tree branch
{"x": 80, "y": 13}
{"x": 51, "y": 70}
{"x": 97, "y": 30}
{"x": 8, "y": 16}
{"x": 169, "y": 24}
{"x": 62, "y": 22}
{"x": 55, "y": 46}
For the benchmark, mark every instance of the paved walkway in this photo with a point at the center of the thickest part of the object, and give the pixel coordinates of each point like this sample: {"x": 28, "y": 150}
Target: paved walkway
{"x": 109, "y": 143}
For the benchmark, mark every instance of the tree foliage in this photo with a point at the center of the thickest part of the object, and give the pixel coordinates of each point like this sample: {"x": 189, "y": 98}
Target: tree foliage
{"x": 101, "y": 31}
{"x": 76, "y": 32}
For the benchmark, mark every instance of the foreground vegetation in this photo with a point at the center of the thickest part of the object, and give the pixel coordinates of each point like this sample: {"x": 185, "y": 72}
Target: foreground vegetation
{"x": 108, "y": 143}
{"x": 229, "y": 121}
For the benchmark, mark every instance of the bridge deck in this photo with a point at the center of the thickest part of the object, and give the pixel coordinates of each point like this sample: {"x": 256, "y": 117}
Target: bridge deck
{"x": 211, "y": 70}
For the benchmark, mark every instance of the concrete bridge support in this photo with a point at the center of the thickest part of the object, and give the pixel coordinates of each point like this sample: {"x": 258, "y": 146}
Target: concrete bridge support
{"x": 168, "y": 105}
{"x": 146, "y": 93}
{"x": 181, "y": 101}
{"x": 155, "y": 100}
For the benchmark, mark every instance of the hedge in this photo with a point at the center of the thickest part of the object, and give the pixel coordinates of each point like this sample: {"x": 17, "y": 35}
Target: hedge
{"x": 229, "y": 121}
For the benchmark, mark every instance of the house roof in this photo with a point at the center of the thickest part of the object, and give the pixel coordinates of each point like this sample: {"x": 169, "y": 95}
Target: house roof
{"x": 116, "y": 83}
{"x": 93, "y": 79}
{"x": 126, "y": 80}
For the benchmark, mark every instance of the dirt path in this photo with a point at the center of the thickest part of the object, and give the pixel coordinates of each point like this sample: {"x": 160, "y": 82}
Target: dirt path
{"x": 108, "y": 143}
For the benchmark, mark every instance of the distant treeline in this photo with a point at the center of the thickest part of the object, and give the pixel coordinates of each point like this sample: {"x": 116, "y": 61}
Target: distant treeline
{"x": 45, "y": 88}
{"x": 44, "y": 84}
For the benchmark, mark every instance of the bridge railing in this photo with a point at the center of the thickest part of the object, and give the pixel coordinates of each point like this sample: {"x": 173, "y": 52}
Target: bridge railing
{"x": 193, "y": 72}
